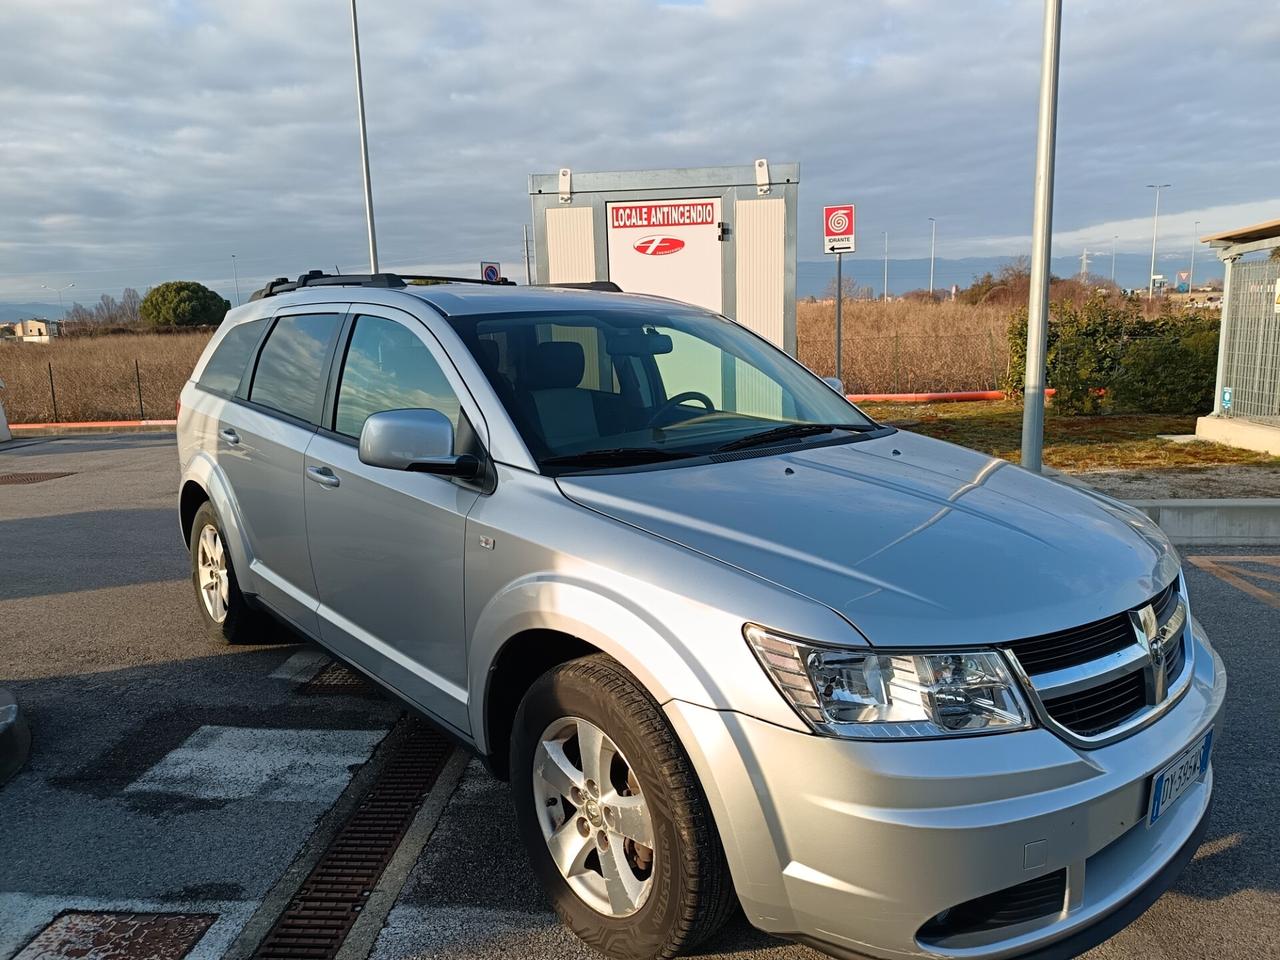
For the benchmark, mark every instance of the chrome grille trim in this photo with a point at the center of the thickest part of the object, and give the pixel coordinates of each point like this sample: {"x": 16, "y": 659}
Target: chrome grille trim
{"x": 1156, "y": 648}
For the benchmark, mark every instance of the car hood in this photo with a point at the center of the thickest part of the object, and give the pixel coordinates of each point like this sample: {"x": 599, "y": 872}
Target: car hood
{"x": 914, "y": 541}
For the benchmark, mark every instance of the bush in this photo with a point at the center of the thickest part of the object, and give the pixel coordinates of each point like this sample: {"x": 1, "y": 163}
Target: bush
{"x": 1108, "y": 354}
{"x": 182, "y": 303}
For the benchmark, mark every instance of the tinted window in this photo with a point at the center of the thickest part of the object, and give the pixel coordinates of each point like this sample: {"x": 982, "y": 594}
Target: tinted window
{"x": 226, "y": 366}
{"x": 389, "y": 368}
{"x": 291, "y": 363}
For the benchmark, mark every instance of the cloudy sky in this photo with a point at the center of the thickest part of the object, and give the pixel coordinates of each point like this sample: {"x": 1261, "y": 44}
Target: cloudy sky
{"x": 145, "y": 141}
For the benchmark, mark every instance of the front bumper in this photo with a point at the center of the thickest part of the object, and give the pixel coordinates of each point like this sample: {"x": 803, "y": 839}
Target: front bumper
{"x": 853, "y": 846}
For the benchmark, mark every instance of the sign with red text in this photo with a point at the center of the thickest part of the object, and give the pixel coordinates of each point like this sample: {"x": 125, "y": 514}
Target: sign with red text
{"x": 671, "y": 248}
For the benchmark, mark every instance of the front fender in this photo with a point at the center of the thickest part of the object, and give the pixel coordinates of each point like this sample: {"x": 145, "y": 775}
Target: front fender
{"x": 701, "y": 663}
{"x": 204, "y": 471}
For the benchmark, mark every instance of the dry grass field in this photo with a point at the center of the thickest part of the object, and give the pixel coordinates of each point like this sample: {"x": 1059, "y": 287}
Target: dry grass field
{"x": 888, "y": 348}
{"x": 94, "y": 377}
{"x": 906, "y": 346}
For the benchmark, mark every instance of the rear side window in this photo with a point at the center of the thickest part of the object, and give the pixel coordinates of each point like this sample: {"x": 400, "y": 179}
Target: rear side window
{"x": 226, "y": 366}
{"x": 291, "y": 364}
{"x": 388, "y": 368}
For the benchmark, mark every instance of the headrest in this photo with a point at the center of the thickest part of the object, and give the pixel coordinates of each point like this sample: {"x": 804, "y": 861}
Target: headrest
{"x": 487, "y": 354}
{"x": 555, "y": 365}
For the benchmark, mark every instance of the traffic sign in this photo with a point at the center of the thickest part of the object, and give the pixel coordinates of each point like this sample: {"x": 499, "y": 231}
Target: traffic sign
{"x": 837, "y": 228}
{"x": 490, "y": 272}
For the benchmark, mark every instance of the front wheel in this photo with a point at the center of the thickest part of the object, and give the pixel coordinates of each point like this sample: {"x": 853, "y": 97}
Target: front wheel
{"x": 616, "y": 822}
{"x": 226, "y": 614}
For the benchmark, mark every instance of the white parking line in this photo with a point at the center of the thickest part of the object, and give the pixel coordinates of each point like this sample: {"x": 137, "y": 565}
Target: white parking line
{"x": 302, "y": 666}
{"x": 236, "y": 763}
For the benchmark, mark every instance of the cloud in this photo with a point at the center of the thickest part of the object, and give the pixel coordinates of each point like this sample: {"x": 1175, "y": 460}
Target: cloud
{"x": 148, "y": 141}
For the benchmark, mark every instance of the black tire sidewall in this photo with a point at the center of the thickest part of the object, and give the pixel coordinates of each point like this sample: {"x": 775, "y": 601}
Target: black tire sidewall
{"x": 650, "y": 930}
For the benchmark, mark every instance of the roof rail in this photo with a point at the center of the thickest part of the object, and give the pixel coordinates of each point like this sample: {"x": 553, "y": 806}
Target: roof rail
{"x": 318, "y": 278}
{"x": 604, "y": 286}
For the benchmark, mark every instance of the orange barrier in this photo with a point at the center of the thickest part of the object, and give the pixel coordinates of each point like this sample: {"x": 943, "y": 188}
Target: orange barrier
{"x": 958, "y": 397}
{"x": 93, "y": 423}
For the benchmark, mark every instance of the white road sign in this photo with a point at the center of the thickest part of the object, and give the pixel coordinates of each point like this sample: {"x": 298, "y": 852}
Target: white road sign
{"x": 490, "y": 271}
{"x": 837, "y": 228}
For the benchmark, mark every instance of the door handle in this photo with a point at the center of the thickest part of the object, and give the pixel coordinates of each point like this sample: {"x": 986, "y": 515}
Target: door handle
{"x": 229, "y": 435}
{"x": 323, "y": 476}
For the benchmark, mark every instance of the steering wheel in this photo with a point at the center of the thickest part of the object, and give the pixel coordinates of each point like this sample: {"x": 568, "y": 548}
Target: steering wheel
{"x": 678, "y": 399}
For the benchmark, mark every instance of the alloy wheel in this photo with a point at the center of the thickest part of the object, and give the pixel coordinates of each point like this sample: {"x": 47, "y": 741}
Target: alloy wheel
{"x": 214, "y": 577}
{"x": 594, "y": 816}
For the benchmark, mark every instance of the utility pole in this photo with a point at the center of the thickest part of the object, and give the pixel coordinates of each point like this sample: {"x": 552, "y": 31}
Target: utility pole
{"x": 933, "y": 242}
{"x": 839, "y": 317}
{"x": 1191, "y": 274}
{"x": 1041, "y": 235}
{"x": 886, "y": 266}
{"x": 528, "y": 278}
{"x": 1114, "y": 238}
{"x": 1084, "y": 264}
{"x": 1155, "y": 232}
{"x": 364, "y": 144}
{"x": 235, "y": 276}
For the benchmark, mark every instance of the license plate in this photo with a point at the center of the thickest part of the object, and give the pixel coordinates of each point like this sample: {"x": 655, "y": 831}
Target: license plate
{"x": 1175, "y": 779}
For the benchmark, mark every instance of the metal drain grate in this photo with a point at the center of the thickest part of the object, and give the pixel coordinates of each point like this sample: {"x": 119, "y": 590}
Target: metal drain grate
{"x": 322, "y": 913}
{"x": 337, "y": 677}
{"x": 12, "y": 479}
{"x": 118, "y": 936}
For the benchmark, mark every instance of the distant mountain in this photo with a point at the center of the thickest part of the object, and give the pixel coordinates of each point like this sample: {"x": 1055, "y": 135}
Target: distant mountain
{"x": 814, "y": 276}
{"x": 23, "y": 311}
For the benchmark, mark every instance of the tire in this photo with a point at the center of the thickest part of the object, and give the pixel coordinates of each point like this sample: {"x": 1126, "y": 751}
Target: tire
{"x": 686, "y": 893}
{"x": 229, "y": 618}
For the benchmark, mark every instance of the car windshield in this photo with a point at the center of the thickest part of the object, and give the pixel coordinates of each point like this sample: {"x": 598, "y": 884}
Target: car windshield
{"x": 617, "y": 386}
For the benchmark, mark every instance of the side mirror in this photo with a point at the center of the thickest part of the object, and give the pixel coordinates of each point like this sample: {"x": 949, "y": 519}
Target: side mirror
{"x": 835, "y": 383}
{"x": 420, "y": 441}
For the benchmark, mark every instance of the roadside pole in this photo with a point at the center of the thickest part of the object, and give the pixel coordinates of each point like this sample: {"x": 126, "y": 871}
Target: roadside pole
{"x": 1041, "y": 236}
{"x": 364, "y": 144}
{"x": 839, "y": 304}
{"x": 524, "y": 229}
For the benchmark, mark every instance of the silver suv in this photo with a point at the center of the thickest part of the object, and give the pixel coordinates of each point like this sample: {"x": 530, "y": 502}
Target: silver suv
{"x": 732, "y": 641}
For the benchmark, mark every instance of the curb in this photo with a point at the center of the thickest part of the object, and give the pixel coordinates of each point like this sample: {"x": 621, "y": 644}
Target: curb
{"x": 24, "y": 430}
{"x": 15, "y": 737}
{"x": 1248, "y": 522}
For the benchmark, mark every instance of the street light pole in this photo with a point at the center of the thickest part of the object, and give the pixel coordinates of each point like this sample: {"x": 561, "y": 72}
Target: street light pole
{"x": 235, "y": 276}
{"x": 886, "y": 266}
{"x": 58, "y": 290}
{"x": 1155, "y": 232}
{"x": 1191, "y": 274}
{"x": 933, "y": 241}
{"x": 528, "y": 277}
{"x": 1041, "y": 236}
{"x": 364, "y": 144}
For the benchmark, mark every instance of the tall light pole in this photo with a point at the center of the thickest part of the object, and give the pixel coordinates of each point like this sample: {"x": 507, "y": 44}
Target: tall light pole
{"x": 528, "y": 275}
{"x": 58, "y": 291}
{"x": 236, "y": 277}
{"x": 364, "y": 144}
{"x": 1155, "y": 232}
{"x": 1191, "y": 274}
{"x": 1114, "y": 238}
{"x": 1041, "y": 235}
{"x": 933, "y": 241}
{"x": 886, "y": 266}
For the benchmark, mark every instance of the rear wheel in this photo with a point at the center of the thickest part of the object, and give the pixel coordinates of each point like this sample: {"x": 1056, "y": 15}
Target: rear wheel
{"x": 226, "y": 614}
{"x": 615, "y": 820}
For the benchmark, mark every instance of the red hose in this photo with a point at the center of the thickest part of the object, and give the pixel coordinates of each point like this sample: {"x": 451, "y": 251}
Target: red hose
{"x": 957, "y": 397}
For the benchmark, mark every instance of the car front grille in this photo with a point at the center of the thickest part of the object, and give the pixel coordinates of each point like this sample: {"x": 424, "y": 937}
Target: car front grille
{"x": 1041, "y": 897}
{"x": 1107, "y": 675}
{"x": 1102, "y": 707}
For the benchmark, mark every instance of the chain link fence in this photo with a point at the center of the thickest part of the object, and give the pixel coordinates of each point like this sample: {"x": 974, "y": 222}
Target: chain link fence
{"x": 1252, "y": 367}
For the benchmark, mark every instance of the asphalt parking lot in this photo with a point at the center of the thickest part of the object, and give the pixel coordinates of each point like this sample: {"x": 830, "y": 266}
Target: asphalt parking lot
{"x": 169, "y": 774}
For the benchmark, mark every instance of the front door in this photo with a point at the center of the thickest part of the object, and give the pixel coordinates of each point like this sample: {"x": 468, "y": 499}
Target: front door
{"x": 387, "y": 545}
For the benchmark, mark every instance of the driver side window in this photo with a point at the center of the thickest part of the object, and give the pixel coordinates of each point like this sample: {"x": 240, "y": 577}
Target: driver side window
{"x": 388, "y": 368}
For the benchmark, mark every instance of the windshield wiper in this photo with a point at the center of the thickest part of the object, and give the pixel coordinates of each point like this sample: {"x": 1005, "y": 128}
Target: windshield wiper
{"x": 790, "y": 431}
{"x": 616, "y": 457}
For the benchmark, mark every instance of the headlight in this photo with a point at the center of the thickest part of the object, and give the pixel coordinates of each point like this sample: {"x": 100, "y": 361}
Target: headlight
{"x": 879, "y": 694}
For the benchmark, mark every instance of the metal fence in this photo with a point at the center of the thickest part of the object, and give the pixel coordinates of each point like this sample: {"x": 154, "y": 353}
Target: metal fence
{"x": 1252, "y": 368}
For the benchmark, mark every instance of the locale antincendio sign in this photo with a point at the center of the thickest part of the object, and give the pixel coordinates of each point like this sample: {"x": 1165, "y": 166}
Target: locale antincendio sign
{"x": 680, "y": 214}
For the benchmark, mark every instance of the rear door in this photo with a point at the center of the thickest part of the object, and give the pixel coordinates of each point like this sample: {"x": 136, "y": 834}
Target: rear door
{"x": 387, "y": 545}
{"x": 261, "y": 441}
